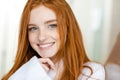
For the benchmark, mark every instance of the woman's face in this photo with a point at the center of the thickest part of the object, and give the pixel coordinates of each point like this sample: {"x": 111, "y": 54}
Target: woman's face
{"x": 42, "y": 31}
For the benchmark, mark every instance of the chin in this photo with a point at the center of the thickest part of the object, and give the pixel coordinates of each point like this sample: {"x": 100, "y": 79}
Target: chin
{"x": 46, "y": 56}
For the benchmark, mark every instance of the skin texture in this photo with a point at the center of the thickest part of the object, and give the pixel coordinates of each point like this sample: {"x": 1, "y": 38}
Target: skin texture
{"x": 42, "y": 32}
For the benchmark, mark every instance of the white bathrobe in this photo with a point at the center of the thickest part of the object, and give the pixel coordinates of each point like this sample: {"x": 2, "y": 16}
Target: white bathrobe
{"x": 33, "y": 70}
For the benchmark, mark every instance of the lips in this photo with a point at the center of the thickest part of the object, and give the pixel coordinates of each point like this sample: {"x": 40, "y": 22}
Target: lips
{"x": 46, "y": 45}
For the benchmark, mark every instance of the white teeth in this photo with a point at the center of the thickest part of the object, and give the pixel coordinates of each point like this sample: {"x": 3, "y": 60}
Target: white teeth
{"x": 45, "y": 45}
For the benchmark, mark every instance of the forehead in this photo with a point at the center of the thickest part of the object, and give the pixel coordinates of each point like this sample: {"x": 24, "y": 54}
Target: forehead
{"x": 42, "y": 13}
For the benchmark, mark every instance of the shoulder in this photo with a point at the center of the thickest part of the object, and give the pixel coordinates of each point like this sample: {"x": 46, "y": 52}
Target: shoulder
{"x": 112, "y": 71}
{"x": 95, "y": 66}
{"x": 94, "y": 70}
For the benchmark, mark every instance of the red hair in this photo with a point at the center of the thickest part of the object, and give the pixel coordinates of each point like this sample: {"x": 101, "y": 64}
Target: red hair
{"x": 71, "y": 49}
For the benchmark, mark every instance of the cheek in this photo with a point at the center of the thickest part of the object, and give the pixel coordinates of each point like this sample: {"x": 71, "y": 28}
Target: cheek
{"x": 56, "y": 36}
{"x": 31, "y": 38}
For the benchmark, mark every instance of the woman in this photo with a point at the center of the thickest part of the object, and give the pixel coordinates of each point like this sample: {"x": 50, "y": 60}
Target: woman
{"x": 50, "y": 45}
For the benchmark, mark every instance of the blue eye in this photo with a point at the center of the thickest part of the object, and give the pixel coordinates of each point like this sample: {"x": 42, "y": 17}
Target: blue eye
{"x": 32, "y": 28}
{"x": 52, "y": 26}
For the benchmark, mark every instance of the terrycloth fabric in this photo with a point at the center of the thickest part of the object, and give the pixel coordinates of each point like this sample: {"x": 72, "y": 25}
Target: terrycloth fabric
{"x": 97, "y": 69}
{"x": 32, "y": 70}
{"x": 112, "y": 71}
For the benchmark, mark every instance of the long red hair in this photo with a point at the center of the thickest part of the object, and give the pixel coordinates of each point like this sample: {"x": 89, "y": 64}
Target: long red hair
{"x": 71, "y": 49}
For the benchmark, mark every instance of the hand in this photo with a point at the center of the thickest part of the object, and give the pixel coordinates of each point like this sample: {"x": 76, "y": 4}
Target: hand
{"x": 47, "y": 64}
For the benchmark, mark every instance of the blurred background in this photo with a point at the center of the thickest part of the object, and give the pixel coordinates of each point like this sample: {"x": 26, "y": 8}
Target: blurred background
{"x": 99, "y": 22}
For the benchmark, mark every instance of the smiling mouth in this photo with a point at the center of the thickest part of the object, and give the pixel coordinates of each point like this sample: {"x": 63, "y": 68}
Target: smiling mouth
{"x": 46, "y": 45}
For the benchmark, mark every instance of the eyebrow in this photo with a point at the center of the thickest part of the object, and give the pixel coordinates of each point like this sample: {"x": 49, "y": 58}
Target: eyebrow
{"x": 31, "y": 25}
{"x": 49, "y": 21}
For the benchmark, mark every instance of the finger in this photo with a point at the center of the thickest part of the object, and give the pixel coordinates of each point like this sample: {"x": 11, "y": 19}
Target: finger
{"x": 48, "y": 62}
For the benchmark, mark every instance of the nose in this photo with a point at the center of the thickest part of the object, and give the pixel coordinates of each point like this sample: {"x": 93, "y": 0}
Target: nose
{"x": 42, "y": 35}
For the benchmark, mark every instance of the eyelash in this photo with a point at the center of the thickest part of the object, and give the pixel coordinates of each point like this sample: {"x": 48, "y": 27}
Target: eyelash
{"x": 32, "y": 28}
{"x": 52, "y": 26}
